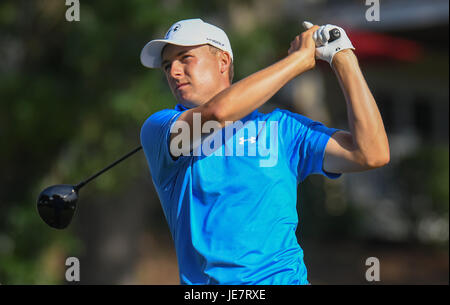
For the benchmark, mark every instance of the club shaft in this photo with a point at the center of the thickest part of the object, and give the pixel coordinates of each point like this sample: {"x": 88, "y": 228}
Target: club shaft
{"x": 82, "y": 183}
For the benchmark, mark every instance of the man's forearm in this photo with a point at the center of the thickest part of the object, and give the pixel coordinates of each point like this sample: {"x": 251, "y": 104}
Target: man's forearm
{"x": 365, "y": 122}
{"x": 248, "y": 94}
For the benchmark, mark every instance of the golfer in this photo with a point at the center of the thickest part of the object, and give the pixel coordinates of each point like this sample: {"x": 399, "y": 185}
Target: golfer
{"x": 230, "y": 201}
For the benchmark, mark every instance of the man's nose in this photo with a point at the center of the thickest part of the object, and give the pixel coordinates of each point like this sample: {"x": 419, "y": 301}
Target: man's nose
{"x": 176, "y": 69}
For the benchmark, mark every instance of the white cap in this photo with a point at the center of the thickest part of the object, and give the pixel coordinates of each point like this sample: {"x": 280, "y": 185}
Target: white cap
{"x": 189, "y": 32}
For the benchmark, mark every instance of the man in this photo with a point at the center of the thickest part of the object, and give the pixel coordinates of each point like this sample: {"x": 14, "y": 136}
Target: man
{"x": 232, "y": 217}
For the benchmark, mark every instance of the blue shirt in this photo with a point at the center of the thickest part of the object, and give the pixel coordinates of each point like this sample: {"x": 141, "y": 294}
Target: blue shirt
{"x": 231, "y": 204}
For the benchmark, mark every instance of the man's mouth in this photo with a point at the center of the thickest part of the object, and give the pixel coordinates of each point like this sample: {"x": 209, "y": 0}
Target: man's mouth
{"x": 181, "y": 85}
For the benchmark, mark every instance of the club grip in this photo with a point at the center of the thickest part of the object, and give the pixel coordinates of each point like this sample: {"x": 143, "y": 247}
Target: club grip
{"x": 334, "y": 34}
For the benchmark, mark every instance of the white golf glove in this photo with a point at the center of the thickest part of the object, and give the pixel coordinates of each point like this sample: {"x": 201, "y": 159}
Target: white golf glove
{"x": 326, "y": 50}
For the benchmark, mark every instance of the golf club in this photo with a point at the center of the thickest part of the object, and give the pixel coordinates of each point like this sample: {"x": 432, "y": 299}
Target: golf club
{"x": 57, "y": 203}
{"x": 334, "y": 34}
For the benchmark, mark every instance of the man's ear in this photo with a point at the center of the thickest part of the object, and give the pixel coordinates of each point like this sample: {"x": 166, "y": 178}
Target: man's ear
{"x": 224, "y": 61}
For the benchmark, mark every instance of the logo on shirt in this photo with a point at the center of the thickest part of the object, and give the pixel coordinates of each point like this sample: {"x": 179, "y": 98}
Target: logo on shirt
{"x": 242, "y": 140}
{"x": 210, "y": 138}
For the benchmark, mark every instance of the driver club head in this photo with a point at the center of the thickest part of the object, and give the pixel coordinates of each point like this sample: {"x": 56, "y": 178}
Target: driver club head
{"x": 56, "y": 205}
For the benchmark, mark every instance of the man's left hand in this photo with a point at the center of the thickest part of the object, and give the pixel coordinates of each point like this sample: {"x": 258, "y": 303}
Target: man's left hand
{"x": 326, "y": 50}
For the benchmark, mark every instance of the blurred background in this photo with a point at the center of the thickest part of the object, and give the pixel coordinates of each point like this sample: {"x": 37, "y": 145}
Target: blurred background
{"x": 74, "y": 95}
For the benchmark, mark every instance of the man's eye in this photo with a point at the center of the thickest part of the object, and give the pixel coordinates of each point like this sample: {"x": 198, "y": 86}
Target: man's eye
{"x": 186, "y": 56}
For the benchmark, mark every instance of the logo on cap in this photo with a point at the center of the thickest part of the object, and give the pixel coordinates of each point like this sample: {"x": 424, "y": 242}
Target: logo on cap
{"x": 215, "y": 41}
{"x": 173, "y": 29}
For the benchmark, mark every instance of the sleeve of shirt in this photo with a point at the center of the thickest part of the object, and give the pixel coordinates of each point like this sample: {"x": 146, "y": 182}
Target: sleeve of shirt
{"x": 305, "y": 142}
{"x": 155, "y": 136}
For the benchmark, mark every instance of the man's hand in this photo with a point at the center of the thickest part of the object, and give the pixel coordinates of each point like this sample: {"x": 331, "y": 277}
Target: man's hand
{"x": 326, "y": 50}
{"x": 305, "y": 43}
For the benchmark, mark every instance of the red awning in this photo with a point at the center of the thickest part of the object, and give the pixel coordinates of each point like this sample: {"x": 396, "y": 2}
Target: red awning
{"x": 372, "y": 46}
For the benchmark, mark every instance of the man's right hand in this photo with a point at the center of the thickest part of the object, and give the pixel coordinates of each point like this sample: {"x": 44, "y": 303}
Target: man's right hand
{"x": 305, "y": 43}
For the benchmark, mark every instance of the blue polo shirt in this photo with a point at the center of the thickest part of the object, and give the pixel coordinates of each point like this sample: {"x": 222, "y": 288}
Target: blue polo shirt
{"x": 231, "y": 203}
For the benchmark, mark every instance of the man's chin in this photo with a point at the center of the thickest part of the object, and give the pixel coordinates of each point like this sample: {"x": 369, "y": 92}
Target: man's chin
{"x": 189, "y": 103}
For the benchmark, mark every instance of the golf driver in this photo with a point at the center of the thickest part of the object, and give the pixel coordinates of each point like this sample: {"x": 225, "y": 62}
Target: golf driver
{"x": 334, "y": 33}
{"x": 57, "y": 203}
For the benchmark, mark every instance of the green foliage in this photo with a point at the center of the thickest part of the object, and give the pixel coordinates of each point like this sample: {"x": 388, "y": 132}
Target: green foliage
{"x": 426, "y": 173}
{"x": 73, "y": 100}
{"x": 423, "y": 180}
